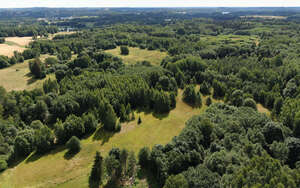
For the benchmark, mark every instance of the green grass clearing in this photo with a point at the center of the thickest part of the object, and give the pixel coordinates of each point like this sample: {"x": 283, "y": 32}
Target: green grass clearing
{"x": 55, "y": 170}
{"x": 136, "y": 55}
{"x": 17, "y": 77}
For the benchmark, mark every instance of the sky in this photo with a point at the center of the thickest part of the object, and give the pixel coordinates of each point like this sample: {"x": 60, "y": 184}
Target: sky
{"x": 148, "y": 3}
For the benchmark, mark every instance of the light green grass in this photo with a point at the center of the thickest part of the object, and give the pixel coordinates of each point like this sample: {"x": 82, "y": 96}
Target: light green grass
{"x": 54, "y": 170}
{"x": 17, "y": 77}
{"x": 10, "y": 43}
{"x": 137, "y": 55}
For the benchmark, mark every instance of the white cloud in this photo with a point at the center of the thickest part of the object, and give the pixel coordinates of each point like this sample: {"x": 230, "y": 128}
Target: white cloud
{"x": 148, "y": 3}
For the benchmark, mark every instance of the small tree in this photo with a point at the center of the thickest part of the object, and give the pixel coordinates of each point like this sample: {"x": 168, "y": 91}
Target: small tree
{"x": 250, "y": 103}
{"x": 208, "y": 101}
{"x": 73, "y": 144}
{"x": 95, "y": 178}
{"x": 144, "y": 157}
{"x": 37, "y": 68}
{"x": 139, "y": 120}
{"x": 177, "y": 181}
{"x": 124, "y": 50}
{"x": 2, "y": 40}
{"x": 204, "y": 88}
{"x": 131, "y": 165}
{"x": 3, "y": 165}
{"x": 110, "y": 118}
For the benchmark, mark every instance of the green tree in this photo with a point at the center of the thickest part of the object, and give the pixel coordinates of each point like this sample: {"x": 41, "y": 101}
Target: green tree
{"x": 144, "y": 157}
{"x": 296, "y": 129}
{"x": 219, "y": 89}
{"x": 50, "y": 61}
{"x": 110, "y": 118}
{"x": 37, "y": 68}
{"x": 50, "y": 86}
{"x": 139, "y": 120}
{"x": 208, "y": 101}
{"x": 44, "y": 139}
{"x": 263, "y": 171}
{"x": 73, "y": 144}
{"x": 96, "y": 175}
{"x": 124, "y": 50}
{"x": 131, "y": 169}
{"x": 250, "y": 103}
{"x": 204, "y": 88}
{"x": 177, "y": 181}
{"x": 191, "y": 97}
{"x": 3, "y": 165}
{"x": 24, "y": 142}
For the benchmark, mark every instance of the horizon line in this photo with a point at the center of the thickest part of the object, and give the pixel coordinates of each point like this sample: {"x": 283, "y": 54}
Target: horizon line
{"x": 158, "y": 7}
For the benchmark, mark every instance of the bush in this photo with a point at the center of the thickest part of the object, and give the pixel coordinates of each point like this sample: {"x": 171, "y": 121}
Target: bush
{"x": 208, "y": 101}
{"x": 250, "y": 103}
{"x": 3, "y": 165}
{"x": 139, "y": 121}
{"x": 2, "y": 40}
{"x": 124, "y": 50}
{"x": 73, "y": 144}
{"x": 177, "y": 181}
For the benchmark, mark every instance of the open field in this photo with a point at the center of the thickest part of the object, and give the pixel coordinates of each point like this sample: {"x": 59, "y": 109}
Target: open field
{"x": 57, "y": 170}
{"x": 265, "y": 17}
{"x": 14, "y": 44}
{"x": 51, "y": 36}
{"x": 228, "y": 39}
{"x": 17, "y": 77}
{"x": 136, "y": 54}
{"x": 262, "y": 109}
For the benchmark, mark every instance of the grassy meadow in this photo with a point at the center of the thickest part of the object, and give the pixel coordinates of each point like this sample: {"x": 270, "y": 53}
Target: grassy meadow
{"x": 56, "y": 169}
{"x": 18, "y": 77}
{"x": 136, "y": 55}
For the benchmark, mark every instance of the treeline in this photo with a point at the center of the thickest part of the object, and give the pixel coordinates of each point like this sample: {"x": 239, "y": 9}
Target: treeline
{"x": 27, "y": 31}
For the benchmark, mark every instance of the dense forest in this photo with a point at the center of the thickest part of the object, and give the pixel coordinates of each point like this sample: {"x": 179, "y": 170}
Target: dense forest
{"x": 240, "y": 61}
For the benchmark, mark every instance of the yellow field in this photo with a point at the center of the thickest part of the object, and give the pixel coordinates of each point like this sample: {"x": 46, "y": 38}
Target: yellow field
{"x": 262, "y": 109}
{"x": 14, "y": 44}
{"x": 55, "y": 170}
{"x": 17, "y": 77}
{"x": 135, "y": 55}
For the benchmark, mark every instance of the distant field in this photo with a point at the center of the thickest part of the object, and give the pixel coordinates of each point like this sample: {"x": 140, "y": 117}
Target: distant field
{"x": 17, "y": 77}
{"x": 265, "y": 17}
{"x": 61, "y": 33}
{"x": 14, "y": 44}
{"x": 135, "y": 54}
{"x": 53, "y": 170}
{"x": 228, "y": 39}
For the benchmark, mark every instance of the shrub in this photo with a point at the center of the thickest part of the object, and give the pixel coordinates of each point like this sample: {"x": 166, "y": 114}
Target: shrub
{"x": 3, "y": 165}
{"x": 73, "y": 144}
{"x": 250, "y": 103}
{"x": 124, "y": 50}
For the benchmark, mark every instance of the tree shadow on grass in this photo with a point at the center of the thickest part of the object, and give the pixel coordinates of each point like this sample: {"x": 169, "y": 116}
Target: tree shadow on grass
{"x": 31, "y": 81}
{"x": 147, "y": 111}
{"x": 146, "y": 174}
{"x": 160, "y": 116}
{"x": 102, "y": 135}
{"x": 36, "y": 156}
{"x": 69, "y": 155}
